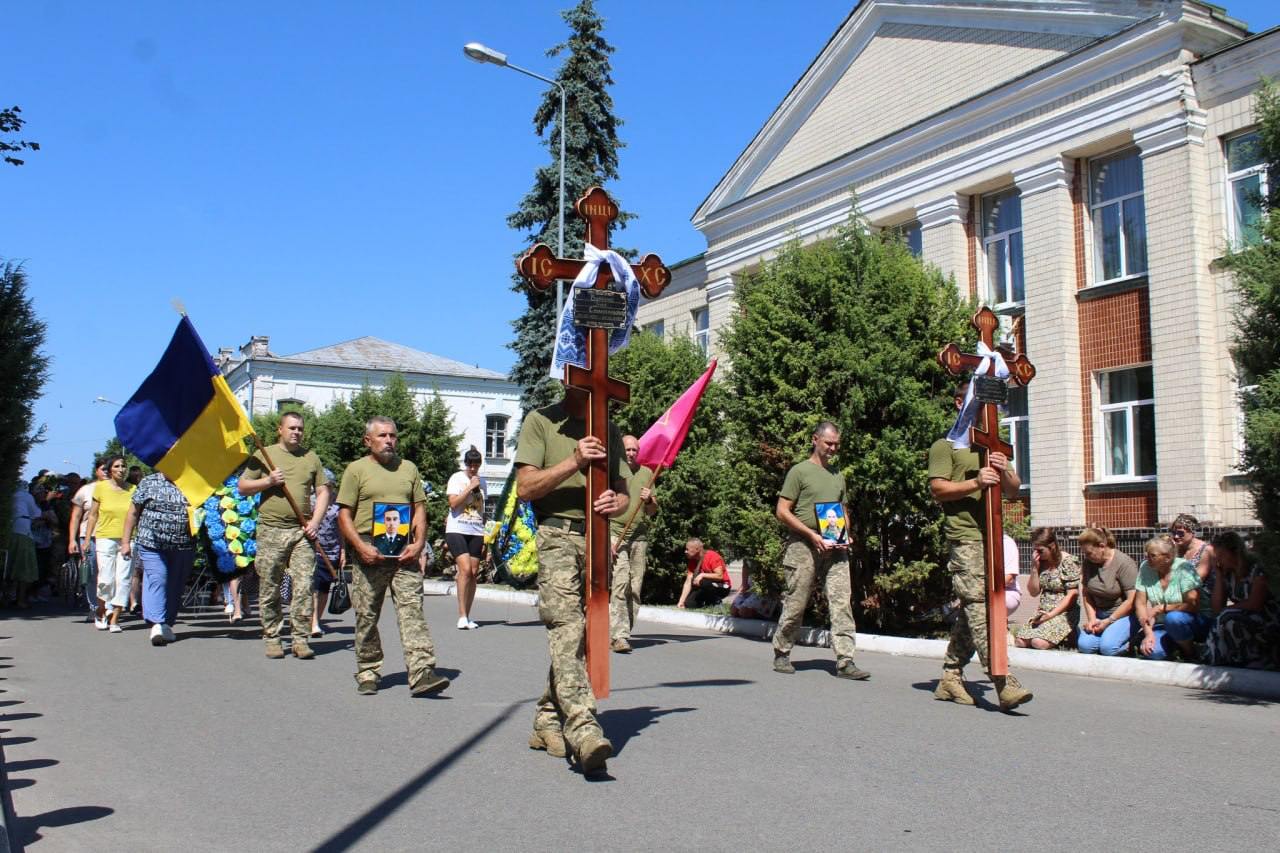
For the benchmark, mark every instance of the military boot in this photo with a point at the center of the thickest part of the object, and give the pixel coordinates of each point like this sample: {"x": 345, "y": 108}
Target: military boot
{"x": 592, "y": 753}
{"x": 302, "y": 651}
{"x": 782, "y": 663}
{"x": 951, "y": 688}
{"x": 430, "y": 682}
{"x": 550, "y": 740}
{"x": 274, "y": 650}
{"x": 1011, "y": 692}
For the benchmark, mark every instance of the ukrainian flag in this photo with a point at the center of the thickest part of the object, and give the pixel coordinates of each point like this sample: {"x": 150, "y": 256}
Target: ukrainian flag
{"x": 184, "y": 420}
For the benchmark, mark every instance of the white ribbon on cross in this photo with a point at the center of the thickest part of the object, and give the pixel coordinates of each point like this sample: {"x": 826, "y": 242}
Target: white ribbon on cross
{"x": 571, "y": 341}
{"x": 959, "y": 435}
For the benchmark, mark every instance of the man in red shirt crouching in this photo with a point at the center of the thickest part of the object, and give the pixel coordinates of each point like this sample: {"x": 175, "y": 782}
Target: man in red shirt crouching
{"x": 706, "y": 581}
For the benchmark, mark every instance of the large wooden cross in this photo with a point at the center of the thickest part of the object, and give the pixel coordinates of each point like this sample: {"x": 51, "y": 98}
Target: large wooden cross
{"x": 541, "y": 268}
{"x": 984, "y": 436}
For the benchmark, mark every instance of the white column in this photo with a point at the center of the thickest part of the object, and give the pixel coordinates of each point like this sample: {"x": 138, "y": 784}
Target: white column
{"x": 942, "y": 239}
{"x": 720, "y": 305}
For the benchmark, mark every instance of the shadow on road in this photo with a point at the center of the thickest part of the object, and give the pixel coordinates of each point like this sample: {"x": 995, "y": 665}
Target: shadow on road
{"x": 641, "y": 641}
{"x": 1229, "y": 699}
{"x": 622, "y": 724}
{"x": 27, "y": 829}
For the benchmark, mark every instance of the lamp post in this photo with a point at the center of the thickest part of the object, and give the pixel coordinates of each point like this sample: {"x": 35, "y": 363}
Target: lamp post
{"x": 102, "y": 399}
{"x": 487, "y": 55}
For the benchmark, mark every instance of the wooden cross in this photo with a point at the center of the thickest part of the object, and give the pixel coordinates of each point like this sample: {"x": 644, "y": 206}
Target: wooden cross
{"x": 541, "y": 268}
{"x": 984, "y": 435}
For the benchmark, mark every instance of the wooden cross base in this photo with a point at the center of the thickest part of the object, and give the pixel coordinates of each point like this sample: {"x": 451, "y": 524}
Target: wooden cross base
{"x": 541, "y": 268}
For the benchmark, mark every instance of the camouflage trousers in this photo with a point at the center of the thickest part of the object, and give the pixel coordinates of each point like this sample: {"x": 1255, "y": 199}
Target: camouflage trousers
{"x": 624, "y": 594}
{"x": 282, "y": 549}
{"x": 968, "y": 583}
{"x": 805, "y": 567}
{"x": 369, "y": 585}
{"x": 567, "y": 704}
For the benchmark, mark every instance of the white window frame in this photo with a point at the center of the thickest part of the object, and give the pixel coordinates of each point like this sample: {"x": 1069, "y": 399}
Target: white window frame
{"x": 288, "y": 403}
{"x": 1095, "y": 213}
{"x": 1101, "y": 451}
{"x": 1260, "y": 169}
{"x": 1002, "y": 304}
{"x": 495, "y": 430}
{"x": 1016, "y": 424}
{"x": 1237, "y": 431}
{"x": 657, "y": 327}
{"x": 701, "y": 318}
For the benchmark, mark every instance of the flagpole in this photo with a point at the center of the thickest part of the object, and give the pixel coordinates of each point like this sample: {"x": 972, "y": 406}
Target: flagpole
{"x": 297, "y": 511}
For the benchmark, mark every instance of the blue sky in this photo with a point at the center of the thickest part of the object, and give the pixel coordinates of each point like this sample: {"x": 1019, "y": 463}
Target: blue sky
{"x": 289, "y": 169}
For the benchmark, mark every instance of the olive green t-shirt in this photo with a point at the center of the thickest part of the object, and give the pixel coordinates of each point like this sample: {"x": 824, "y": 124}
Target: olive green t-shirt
{"x": 367, "y": 481}
{"x": 636, "y": 480}
{"x": 956, "y": 466}
{"x": 808, "y": 484}
{"x": 1110, "y": 584}
{"x": 548, "y": 437}
{"x": 303, "y": 474}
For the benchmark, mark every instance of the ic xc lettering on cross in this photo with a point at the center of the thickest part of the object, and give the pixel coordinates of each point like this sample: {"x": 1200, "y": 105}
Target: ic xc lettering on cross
{"x": 541, "y": 268}
{"x": 984, "y": 435}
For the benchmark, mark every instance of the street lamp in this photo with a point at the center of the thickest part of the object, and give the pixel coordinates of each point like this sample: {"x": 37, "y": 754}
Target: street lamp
{"x": 102, "y": 399}
{"x": 487, "y": 55}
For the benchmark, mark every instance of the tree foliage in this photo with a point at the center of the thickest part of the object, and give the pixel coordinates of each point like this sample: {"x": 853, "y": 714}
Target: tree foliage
{"x": 848, "y": 330}
{"x": 591, "y": 158}
{"x": 11, "y": 122}
{"x": 1257, "y": 345}
{"x": 25, "y": 368}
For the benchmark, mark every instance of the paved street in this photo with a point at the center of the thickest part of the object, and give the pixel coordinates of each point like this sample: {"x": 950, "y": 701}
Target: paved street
{"x": 207, "y": 745}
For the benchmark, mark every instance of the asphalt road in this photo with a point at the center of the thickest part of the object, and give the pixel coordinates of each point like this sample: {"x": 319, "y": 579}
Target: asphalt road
{"x": 207, "y": 745}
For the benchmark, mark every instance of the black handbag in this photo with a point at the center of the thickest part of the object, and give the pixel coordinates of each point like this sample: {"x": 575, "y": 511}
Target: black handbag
{"x": 339, "y": 595}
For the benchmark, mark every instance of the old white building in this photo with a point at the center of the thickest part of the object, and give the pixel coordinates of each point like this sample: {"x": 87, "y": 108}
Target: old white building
{"x": 484, "y": 403}
{"x": 1079, "y": 164}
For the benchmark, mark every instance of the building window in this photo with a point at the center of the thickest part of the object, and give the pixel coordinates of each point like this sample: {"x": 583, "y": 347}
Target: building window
{"x": 1002, "y": 245}
{"x": 288, "y": 404}
{"x": 910, "y": 234}
{"x": 1018, "y": 425}
{"x": 1127, "y": 416}
{"x": 1238, "y": 425}
{"x": 657, "y": 327}
{"x": 1247, "y": 187}
{"x": 702, "y": 329}
{"x": 495, "y": 436}
{"x": 1119, "y": 216}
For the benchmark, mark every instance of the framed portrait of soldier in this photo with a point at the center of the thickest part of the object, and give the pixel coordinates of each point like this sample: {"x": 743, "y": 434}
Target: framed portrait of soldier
{"x": 390, "y": 528}
{"x": 831, "y": 522}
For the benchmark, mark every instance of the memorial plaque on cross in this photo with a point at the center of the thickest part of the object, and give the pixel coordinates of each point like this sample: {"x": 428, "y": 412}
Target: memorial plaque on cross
{"x": 984, "y": 436}
{"x": 541, "y": 268}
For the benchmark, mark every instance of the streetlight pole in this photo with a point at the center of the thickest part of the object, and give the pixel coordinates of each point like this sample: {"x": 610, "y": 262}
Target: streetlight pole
{"x": 102, "y": 399}
{"x": 487, "y": 55}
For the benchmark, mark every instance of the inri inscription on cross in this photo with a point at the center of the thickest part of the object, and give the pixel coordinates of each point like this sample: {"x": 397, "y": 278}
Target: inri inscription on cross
{"x": 984, "y": 436}
{"x": 541, "y": 268}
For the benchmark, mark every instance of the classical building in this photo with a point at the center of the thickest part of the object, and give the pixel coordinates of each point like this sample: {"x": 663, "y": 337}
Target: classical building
{"x": 484, "y": 403}
{"x": 1080, "y": 165}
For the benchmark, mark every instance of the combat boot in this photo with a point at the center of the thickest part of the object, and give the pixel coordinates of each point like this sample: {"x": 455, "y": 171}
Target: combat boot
{"x": 621, "y": 646}
{"x": 274, "y": 650}
{"x": 782, "y": 663}
{"x": 849, "y": 669}
{"x": 302, "y": 651}
{"x": 592, "y": 753}
{"x": 1011, "y": 692}
{"x": 430, "y": 682}
{"x": 951, "y": 688}
{"x": 550, "y": 740}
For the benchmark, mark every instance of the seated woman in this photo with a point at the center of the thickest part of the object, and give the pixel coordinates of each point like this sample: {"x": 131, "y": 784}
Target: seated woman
{"x": 1195, "y": 551}
{"x": 1055, "y": 577}
{"x": 1105, "y": 626}
{"x": 1247, "y": 630}
{"x": 1168, "y": 603}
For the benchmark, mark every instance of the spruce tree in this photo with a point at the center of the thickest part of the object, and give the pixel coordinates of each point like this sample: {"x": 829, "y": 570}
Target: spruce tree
{"x": 25, "y": 368}
{"x": 591, "y": 158}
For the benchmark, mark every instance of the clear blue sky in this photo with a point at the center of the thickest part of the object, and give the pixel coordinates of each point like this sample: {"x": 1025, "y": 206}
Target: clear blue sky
{"x": 320, "y": 171}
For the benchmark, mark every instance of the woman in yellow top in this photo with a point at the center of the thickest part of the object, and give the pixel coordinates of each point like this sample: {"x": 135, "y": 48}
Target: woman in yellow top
{"x": 111, "y": 498}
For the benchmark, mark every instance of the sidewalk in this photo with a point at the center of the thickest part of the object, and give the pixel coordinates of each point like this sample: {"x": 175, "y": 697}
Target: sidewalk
{"x": 1253, "y": 683}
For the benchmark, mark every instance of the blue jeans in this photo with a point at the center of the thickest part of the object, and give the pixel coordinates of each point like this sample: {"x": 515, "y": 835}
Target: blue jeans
{"x": 1178, "y": 627}
{"x": 1114, "y": 640}
{"x": 164, "y": 574}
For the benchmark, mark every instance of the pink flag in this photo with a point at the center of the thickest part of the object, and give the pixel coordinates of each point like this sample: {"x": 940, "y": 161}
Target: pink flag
{"x": 661, "y": 442}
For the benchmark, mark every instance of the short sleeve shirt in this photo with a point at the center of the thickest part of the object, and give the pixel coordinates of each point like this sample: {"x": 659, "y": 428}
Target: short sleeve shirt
{"x": 1182, "y": 579}
{"x": 711, "y": 563}
{"x": 163, "y": 522}
{"x": 808, "y": 485}
{"x": 548, "y": 437}
{"x": 83, "y": 498}
{"x": 467, "y": 519}
{"x": 113, "y": 505}
{"x": 636, "y": 480}
{"x": 1108, "y": 586}
{"x": 367, "y": 481}
{"x": 303, "y": 474}
{"x": 956, "y": 466}
{"x": 25, "y": 508}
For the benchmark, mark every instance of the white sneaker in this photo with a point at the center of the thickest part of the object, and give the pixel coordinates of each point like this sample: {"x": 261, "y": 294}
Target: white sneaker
{"x": 157, "y": 635}
{"x": 100, "y": 624}
{"x": 472, "y": 625}
{"x": 168, "y": 633}
{"x": 115, "y": 629}
{"x": 463, "y": 624}
{"x": 229, "y": 609}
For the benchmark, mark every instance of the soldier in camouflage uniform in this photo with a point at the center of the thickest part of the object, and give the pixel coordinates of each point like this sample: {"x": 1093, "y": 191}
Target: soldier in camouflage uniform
{"x": 960, "y": 486}
{"x": 383, "y": 477}
{"x": 283, "y": 543}
{"x": 629, "y": 551}
{"x": 551, "y": 462}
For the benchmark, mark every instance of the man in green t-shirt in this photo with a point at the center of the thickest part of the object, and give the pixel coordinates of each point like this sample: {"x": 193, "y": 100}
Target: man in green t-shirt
{"x": 960, "y": 486}
{"x": 631, "y": 549}
{"x": 382, "y": 477}
{"x": 552, "y": 459}
{"x": 809, "y": 558}
{"x": 283, "y": 543}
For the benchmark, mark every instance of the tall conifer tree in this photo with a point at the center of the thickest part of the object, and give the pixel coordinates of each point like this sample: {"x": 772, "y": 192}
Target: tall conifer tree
{"x": 26, "y": 368}
{"x": 591, "y": 158}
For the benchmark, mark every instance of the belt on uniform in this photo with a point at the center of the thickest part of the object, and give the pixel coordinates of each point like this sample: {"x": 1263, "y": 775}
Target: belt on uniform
{"x": 573, "y": 525}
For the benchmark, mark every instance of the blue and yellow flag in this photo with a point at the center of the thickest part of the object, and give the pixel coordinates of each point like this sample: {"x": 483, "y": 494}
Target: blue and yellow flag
{"x": 184, "y": 420}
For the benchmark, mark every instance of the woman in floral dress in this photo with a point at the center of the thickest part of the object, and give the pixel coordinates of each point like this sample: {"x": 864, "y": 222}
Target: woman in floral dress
{"x": 1247, "y": 630}
{"x": 1055, "y": 577}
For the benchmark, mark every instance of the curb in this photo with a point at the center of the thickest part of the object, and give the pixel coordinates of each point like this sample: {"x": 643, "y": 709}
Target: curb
{"x": 1257, "y": 684}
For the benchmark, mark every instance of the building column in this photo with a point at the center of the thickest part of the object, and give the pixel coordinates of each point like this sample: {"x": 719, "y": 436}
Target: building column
{"x": 1191, "y": 449}
{"x": 1053, "y": 343}
{"x": 720, "y": 306}
{"x": 943, "y": 240}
